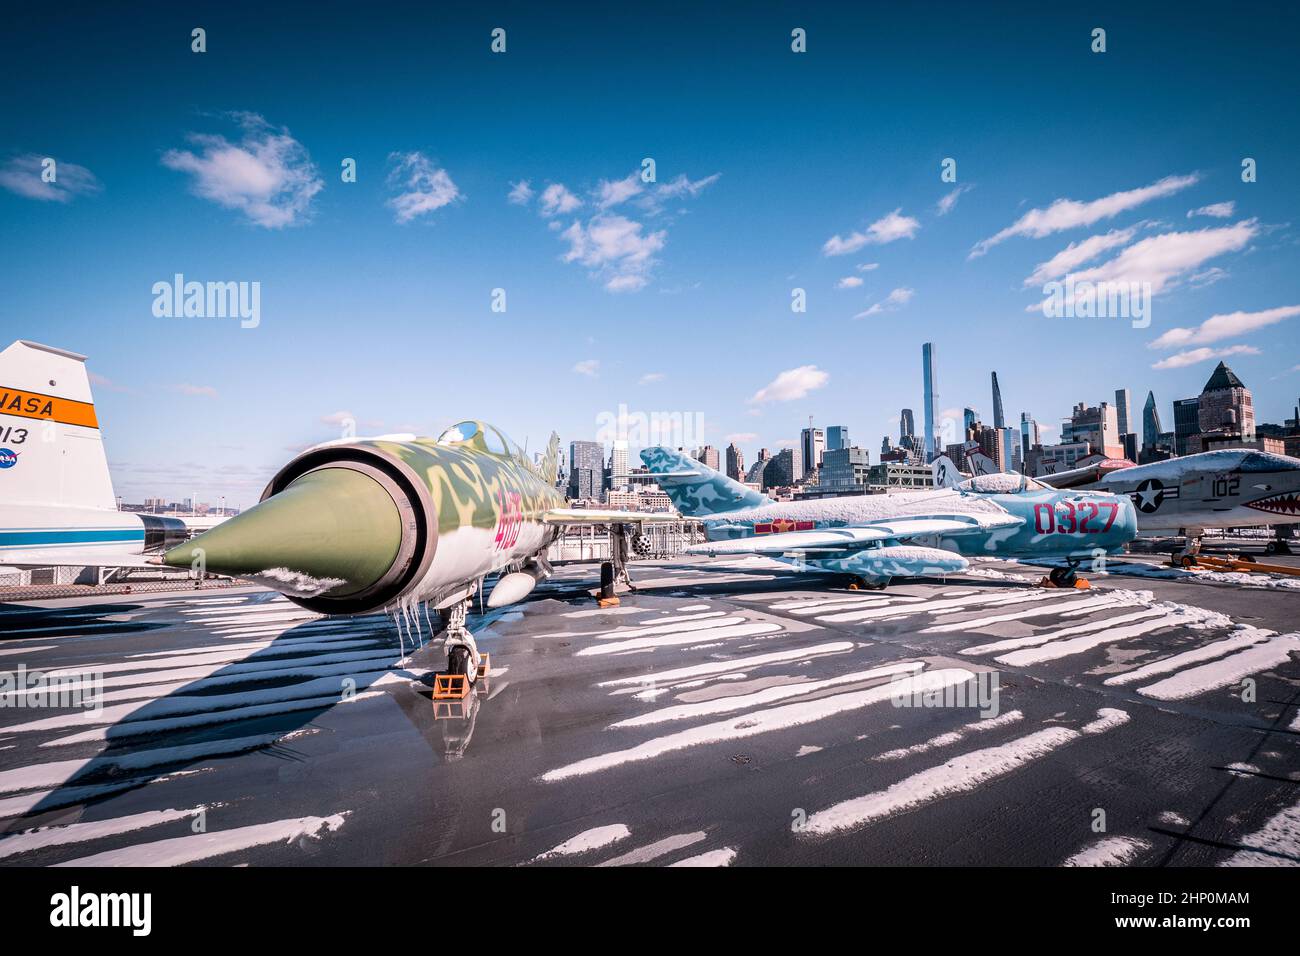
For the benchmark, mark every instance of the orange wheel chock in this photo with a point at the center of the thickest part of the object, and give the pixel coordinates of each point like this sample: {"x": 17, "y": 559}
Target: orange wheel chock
{"x": 450, "y": 687}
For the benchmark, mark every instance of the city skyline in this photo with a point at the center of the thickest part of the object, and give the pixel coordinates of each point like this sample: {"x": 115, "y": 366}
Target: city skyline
{"x": 774, "y": 174}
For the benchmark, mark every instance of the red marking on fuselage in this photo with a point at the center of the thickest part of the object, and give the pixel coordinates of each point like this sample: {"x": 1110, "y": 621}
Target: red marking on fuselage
{"x": 510, "y": 519}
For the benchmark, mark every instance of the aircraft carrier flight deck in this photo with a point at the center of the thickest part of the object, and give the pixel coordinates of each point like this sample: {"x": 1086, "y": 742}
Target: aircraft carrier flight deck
{"x": 726, "y": 713}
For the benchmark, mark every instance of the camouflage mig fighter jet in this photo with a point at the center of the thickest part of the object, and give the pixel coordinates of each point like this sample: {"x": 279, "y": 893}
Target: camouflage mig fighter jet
{"x": 355, "y": 526}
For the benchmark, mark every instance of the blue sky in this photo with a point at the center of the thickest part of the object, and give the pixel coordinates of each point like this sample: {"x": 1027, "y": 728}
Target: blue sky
{"x": 676, "y": 298}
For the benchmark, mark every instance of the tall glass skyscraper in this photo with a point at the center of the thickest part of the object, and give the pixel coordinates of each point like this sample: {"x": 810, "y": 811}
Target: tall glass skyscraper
{"x": 999, "y": 419}
{"x": 931, "y": 395}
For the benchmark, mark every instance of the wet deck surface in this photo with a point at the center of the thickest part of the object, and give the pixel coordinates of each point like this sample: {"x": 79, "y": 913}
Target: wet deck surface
{"x": 728, "y": 712}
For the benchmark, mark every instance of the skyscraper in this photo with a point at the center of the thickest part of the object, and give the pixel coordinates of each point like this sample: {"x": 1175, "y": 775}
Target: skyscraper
{"x": 1150, "y": 422}
{"x": 586, "y": 468}
{"x": 1124, "y": 410}
{"x": 709, "y": 455}
{"x": 1187, "y": 422}
{"x": 811, "y": 446}
{"x": 618, "y": 477}
{"x": 735, "y": 463}
{"x": 1029, "y": 435}
{"x": 930, "y": 393}
{"x": 999, "y": 420}
{"x": 837, "y": 437}
{"x": 1226, "y": 405}
{"x": 906, "y": 426}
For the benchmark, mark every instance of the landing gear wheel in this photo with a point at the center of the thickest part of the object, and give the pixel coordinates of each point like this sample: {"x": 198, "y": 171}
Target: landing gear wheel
{"x": 1062, "y": 577}
{"x": 1246, "y": 558}
{"x": 1188, "y": 561}
{"x": 460, "y": 661}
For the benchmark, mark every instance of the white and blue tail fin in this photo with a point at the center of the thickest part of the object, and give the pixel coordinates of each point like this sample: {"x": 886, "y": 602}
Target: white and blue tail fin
{"x": 945, "y": 472}
{"x": 51, "y": 452}
{"x": 695, "y": 489}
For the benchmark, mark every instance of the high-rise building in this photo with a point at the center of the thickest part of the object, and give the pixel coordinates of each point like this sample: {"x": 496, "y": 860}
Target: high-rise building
{"x": 999, "y": 419}
{"x": 845, "y": 469}
{"x": 780, "y": 470}
{"x": 812, "y": 444}
{"x": 837, "y": 437}
{"x": 1187, "y": 422}
{"x": 1150, "y": 422}
{"x": 618, "y": 476}
{"x": 735, "y": 462}
{"x": 709, "y": 455}
{"x": 586, "y": 469}
{"x": 930, "y": 394}
{"x": 906, "y": 427}
{"x": 756, "y": 473}
{"x": 970, "y": 420}
{"x": 1226, "y": 405}
{"x": 1029, "y": 435}
{"x": 1098, "y": 426}
{"x": 885, "y": 446}
{"x": 1124, "y": 410}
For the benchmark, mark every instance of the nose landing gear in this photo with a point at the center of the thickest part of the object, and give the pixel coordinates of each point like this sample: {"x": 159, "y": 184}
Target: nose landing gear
{"x": 1066, "y": 577}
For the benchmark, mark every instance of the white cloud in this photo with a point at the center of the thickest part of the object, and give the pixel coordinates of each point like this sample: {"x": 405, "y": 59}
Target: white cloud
{"x": 1070, "y": 213}
{"x": 649, "y": 378}
{"x": 557, "y": 200}
{"x": 588, "y": 367}
{"x": 520, "y": 193}
{"x": 620, "y": 251}
{"x": 1077, "y": 253}
{"x": 22, "y": 175}
{"x": 1183, "y": 359}
{"x": 611, "y": 193}
{"x": 886, "y": 229}
{"x": 791, "y": 384}
{"x": 1164, "y": 259}
{"x": 869, "y": 267}
{"x": 849, "y": 282}
{"x": 1226, "y": 326}
{"x": 185, "y": 388}
{"x": 1218, "y": 210}
{"x": 685, "y": 186}
{"x": 268, "y": 176}
{"x": 949, "y": 200}
{"x": 427, "y": 188}
{"x": 895, "y": 300}
{"x": 616, "y": 249}
{"x": 741, "y": 438}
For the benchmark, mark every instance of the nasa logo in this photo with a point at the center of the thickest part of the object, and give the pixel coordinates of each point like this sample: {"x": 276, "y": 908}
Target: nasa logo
{"x": 8, "y": 458}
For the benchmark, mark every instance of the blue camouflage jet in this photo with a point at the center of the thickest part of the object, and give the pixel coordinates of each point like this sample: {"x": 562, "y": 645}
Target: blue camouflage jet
{"x": 876, "y": 538}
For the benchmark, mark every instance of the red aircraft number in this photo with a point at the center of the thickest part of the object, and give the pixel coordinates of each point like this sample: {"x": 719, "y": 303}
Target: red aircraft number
{"x": 1069, "y": 518}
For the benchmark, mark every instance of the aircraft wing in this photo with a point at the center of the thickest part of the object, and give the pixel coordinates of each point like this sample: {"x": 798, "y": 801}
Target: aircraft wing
{"x": 580, "y": 516}
{"x": 856, "y": 538}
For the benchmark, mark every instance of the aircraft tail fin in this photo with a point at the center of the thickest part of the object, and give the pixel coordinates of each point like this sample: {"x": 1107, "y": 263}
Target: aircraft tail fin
{"x": 550, "y": 465}
{"x": 695, "y": 489}
{"x": 51, "y": 452}
{"x": 945, "y": 472}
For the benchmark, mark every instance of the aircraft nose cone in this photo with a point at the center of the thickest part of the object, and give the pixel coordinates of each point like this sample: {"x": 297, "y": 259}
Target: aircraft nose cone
{"x": 333, "y": 531}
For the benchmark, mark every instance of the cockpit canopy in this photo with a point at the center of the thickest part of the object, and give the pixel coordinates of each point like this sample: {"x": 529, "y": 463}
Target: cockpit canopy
{"x": 1002, "y": 483}
{"x": 481, "y": 436}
